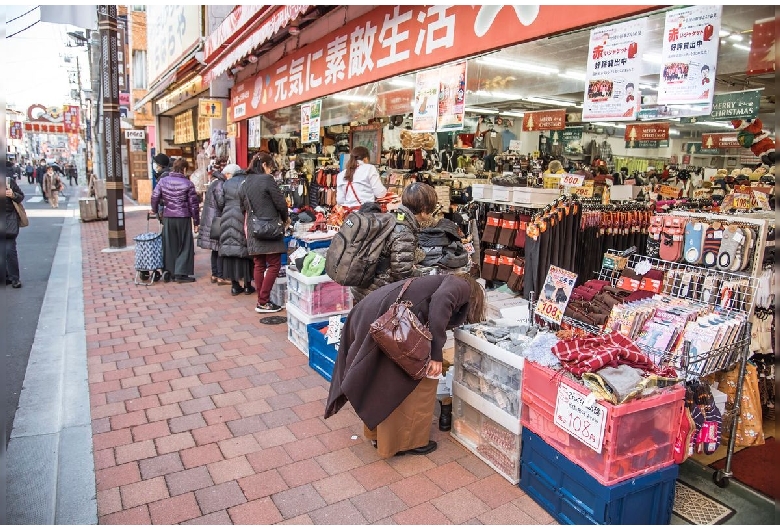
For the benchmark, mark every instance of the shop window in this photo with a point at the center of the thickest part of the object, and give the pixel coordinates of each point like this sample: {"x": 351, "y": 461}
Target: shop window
{"x": 139, "y": 69}
{"x": 139, "y": 8}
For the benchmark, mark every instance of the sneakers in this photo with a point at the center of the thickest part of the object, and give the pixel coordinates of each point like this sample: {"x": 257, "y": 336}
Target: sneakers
{"x": 270, "y": 307}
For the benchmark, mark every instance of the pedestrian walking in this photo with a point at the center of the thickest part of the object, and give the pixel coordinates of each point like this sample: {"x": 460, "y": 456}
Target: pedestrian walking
{"x": 180, "y": 215}
{"x": 52, "y": 183}
{"x": 237, "y": 266}
{"x": 14, "y": 193}
{"x": 29, "y": 171}
{"x": 261, "y": 197}
{"x": 40, "y": 173}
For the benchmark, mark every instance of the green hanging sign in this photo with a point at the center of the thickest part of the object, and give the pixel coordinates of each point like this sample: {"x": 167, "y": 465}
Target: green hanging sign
{"x": 732, "y": 106}
{"x": 570, "y": 138}
{"x": 646, "y": 144}
{"x": 695, "y": 148}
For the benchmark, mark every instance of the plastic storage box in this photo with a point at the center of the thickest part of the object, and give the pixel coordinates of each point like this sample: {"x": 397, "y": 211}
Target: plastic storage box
{"x": 572, "y": 496}
{"x": 502, "y": 193}
{"x": 481, "y": 191}
{"x": 318, "y": 296}
{"x": 638, "y": 438}
{"x": 522, "y": 195}
{"x": 494, "y": 444}
{"x": 279, "y": 292}
{"x": 489, "y": 371}
{"x": 322, "y": 356}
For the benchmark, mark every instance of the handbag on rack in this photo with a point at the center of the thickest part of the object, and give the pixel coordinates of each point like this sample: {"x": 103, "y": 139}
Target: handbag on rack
{"x": 403, "y": 338}
{"x": 23, "y": 220}
{"x": 265, "y": 228}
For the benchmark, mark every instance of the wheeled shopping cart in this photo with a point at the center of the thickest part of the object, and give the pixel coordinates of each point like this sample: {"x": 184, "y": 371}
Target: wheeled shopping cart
{"x": 149, "y": 256}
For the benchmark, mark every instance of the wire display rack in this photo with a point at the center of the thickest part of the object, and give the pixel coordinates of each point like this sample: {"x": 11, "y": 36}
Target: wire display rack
{"x": 729, "y": 294}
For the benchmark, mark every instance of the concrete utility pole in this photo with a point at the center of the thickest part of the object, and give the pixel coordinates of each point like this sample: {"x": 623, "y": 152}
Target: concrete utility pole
{"x": 107, "y": 24}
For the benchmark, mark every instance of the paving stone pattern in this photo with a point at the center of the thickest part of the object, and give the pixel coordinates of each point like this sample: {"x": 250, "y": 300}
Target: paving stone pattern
{"x": 202, "y": 415}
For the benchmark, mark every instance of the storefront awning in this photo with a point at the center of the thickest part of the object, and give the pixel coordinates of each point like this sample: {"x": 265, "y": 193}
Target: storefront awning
{"x": 158, "y": 89}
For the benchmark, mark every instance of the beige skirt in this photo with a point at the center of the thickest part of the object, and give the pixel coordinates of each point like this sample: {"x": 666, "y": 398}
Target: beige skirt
{"x": 409, "y": 425}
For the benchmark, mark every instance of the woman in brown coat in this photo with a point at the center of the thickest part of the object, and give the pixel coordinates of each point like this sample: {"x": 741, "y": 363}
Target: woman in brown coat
{"x": 398, "y": 411}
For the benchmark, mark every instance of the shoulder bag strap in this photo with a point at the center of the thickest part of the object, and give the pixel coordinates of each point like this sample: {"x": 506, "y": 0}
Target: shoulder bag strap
{"x": 403, "y": 290}
{"x": 350, "y": 186}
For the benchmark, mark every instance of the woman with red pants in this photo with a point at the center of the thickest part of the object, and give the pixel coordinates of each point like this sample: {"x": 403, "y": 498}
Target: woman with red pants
{"x": 261, "y": 196}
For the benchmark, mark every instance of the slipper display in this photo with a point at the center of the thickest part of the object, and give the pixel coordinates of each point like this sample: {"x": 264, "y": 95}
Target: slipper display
{"x": 731, "y": 249}
{"x": 712, "y": 240}
{"x": 672, "y": 238}
{"x": 654, "y": 236}
{"x": 694, "y": 242}
{"x": 709, "y": 290}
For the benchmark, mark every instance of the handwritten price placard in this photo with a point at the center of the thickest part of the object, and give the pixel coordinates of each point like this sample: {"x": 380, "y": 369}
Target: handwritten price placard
{"x": 570, "y": 179}
{"x": 549, "y": 310}
{"x": 585, "y": 421}
{"x": 555, "y": 294}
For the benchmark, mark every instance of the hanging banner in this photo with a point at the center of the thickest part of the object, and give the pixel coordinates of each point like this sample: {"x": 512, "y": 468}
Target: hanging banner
{"x": 426, "y": 97}
{"x": 689, "y": 55}
{"x": 545, "y": 120}
{"x": 452, "y": 97}
{"x": 646, "y": 131}
{"x": 16, "y": 130}
{"x": 614, "y": 69}
{"x": 571, "y": 138}
{"x": 70, "y": 118}
{"x": 761, "y": 59}
{"x": 647, "y": 144}
{"x": 732, "y": 106}
{"x": 554, "y": 298}
{"x": 720, "y": 141}
{"x": 310, "y": 121}
{"x": 695, "y": 148}
{"x": 390, "y": 40}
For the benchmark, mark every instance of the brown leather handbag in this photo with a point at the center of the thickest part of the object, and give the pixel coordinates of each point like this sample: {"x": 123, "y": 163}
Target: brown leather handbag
{"x": 403, "y": 338}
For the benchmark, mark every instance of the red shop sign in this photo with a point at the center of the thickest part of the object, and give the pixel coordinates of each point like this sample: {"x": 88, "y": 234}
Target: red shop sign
{"x": 392, "y": 40}
{"x": 647, "y": 131}
{"x": 545, "y": 120}
{"x": 719, "y": 141}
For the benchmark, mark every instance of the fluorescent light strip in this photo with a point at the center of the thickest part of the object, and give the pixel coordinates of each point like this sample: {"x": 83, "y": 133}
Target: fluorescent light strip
{"x": 723, "y": 33}
{"x": 715, "y": 124}
{"x": 735, "y": 36}
{"x": 741, "y": 46}
{"x": 513, "y": 65}
{"x": 571, "y": 74}
{"x": 546, "y": 101}
{"x": 605, "y": 124}
{"x": 481, "y": 111}
{"x": 353, "y": 98}
{"x": 402, "y": 83}
{"x": 513, "y": 114}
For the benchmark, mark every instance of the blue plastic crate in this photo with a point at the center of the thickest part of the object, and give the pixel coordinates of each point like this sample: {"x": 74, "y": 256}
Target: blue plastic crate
{"x": 322, "y": 356}
{"x": 314, "y": 245}
{"x": 287, "y": 240}
{"x": 572, "y": 496}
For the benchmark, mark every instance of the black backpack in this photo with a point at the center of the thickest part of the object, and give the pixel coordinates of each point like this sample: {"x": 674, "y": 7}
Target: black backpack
{"x": 355, "y": 251}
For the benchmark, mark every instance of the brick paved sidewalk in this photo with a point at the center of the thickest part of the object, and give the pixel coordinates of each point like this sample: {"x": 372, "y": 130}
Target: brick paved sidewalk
{"x": 200, "y": 414}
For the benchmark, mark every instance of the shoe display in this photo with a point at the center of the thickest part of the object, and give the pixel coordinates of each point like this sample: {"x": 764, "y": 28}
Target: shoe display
{"x": 249, "y": 290}
{"x": 424, "y": 450}
{"x": 270, "y": 307}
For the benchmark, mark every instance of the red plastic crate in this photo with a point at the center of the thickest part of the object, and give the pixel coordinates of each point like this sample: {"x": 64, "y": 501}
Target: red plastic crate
{"x": 638, "y": 438}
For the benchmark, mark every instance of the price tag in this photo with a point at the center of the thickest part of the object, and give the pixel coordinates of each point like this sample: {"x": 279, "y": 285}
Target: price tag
{"x": 584, "y": 420}
{"x": 555, "y": 294}
{"x": 743, "y": 201}
{"x": 570, "y": 179}
{"x": 549, "y": 310}
{"x": 584, "y": 191}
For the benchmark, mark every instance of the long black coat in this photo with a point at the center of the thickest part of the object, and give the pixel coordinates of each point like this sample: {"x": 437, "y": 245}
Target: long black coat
{"x": 215, "y": 190}
{"x": 363, "y": 374}
{"x": 11, "y": 217}
{"x": 261, "y": 195}
{"x": 232, "y": 241}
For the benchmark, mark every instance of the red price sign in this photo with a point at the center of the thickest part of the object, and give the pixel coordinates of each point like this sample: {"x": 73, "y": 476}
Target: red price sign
{"x": 569, "y": 179}
{"x": 580, "y": 416}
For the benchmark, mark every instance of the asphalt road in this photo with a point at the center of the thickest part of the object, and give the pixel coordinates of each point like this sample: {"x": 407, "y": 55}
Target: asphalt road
{"x": 36, "y": 245}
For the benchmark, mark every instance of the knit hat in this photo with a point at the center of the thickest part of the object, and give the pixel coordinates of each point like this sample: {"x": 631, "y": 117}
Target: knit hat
{"x": 231, "y": 169}
{"x": 162, "y": 159}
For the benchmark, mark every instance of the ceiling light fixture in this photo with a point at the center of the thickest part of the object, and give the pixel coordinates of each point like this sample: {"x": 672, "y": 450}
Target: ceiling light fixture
{"x": 741, "y": 47}
{"x": 736, "y": 36}
{"x": 513, "y": 114}
{"x": 723, "y": 125}
{"x": 354, "y": 98}
{"x": 724, "y": 33}
{"x": 252, "y": 59}
{"x": 514, "y": 65}
{"x": 546, "y": 101}
{"x": 402, "y": 83}
{"x": 607, "y": 124}
{"x": 571, "y": 74}
{"x": 481, "y": 111}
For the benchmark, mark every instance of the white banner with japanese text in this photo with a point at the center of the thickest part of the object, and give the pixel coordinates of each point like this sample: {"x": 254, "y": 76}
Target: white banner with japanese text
{"x": 452, "y": 97}
{"x": 426, "y": 99}
{"x": 171, "y": 30}
{"x": 689, "y": 55}
{"x": 391, "y": 40}
{"x": 614, "y": 69}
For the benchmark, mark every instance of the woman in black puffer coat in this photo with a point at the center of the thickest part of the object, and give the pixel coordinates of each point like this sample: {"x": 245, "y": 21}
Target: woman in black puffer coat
{"x": 236, "y": 264}
{"x": 206, "y": 239}
{"x": 13, "y": 194}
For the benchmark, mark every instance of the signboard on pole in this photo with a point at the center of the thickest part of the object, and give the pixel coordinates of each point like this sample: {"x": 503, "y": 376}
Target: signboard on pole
{"x": 135, "y": 134}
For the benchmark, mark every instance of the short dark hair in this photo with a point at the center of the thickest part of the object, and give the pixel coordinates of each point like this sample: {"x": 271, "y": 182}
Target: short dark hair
{"x": 705, "y": 67}
{"x": 180, "y": 165}
{"x": 419, "y": 197}
{"x": 629, "y": 85}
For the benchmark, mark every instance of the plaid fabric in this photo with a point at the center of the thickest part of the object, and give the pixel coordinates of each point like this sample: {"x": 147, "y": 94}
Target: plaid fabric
{"x": 590, "y": 354}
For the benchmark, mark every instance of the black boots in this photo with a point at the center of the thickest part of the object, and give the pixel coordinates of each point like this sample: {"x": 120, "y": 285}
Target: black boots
{"x": 445, "y": 416}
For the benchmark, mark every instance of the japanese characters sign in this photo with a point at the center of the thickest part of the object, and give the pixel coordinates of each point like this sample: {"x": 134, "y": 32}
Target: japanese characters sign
{"x": 719, "y": 141}
{"x": 426, "y": 98}
{"x": 38, "y": 127}
{"x": 646, "y": 144}
{"x": 646, "y": 131}
{"x": 614, "y": 69}
{"x": 171, "y": 31}
{"x": 732, "y": 106}
{"x": 689, "y": 55}
{"x": 452, "y": 97}
{"x": 583, "y": 420}
{"x": 545, "y": 120}
{"x": 71, "y": 118}
{"x": 571, "y": 138}
{"x": 210, "y": 108}
{"x": 310, "y": 121}
{"x": 392, "y": 40}
{"x": 16, "y": 130}
{"x": 555, "y": 294}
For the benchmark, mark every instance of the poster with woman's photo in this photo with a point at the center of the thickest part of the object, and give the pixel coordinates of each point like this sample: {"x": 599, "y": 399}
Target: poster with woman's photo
{"x": 452, "y": 97}
{"x": 614, "y": 68}
{"x": 426, "y": 101}
{"x": 689, "y": 55}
